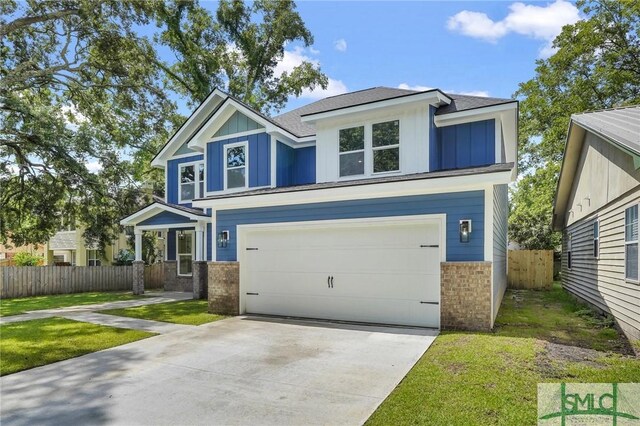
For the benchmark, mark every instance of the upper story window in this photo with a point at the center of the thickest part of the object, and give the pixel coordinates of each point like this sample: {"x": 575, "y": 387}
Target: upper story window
{"x": 191, "y": 181}
{"x": 370, "y": 149}
{"x": 235, "y": 166}
{"x": 631, "y": 243}
{"x": 93, "y": 258}
{"x": 351, "y": 151}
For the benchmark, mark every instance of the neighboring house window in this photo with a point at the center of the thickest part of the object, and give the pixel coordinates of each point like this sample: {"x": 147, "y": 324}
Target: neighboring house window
{"x": 596, "y": 238}
{"x": 351, "y": 143}
{"x": 185, "y": 252}
{"x": 631, "y": 243}
{"x": 93, "y": 258}
{"x": 386, "y": 146}
{"x": 235, "y": 166}
{"x": 569, "y": 244}
{"x": 191, "y": 180}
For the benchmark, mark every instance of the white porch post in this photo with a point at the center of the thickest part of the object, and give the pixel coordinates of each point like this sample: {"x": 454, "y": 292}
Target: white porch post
{"x": 200, "y": 227}
{"x": 138, "y": 233}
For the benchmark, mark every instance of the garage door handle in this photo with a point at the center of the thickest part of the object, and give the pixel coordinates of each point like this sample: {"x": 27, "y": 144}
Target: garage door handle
{"x": 429, "y": 303}
{"x": 331, "y": 281}
{"x": 429, "y": 245}
{"x": 253, "y": 294}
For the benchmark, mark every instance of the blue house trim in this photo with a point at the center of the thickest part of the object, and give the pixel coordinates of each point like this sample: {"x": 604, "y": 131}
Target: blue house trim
{"x": 295, "y": 166}
{"x": 166, "y": 218}
{"x": 457, "y": 206}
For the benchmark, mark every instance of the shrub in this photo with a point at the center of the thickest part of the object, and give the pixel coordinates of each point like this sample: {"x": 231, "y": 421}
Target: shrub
{"x": 27, "y": 259}
{"x": 124, "y": 257}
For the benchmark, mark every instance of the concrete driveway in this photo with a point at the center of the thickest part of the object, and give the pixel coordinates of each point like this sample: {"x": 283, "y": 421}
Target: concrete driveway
{"x": 243, "y": 370}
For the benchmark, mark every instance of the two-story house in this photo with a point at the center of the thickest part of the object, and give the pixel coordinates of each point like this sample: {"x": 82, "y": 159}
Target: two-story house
{"x": 381, "y": 206}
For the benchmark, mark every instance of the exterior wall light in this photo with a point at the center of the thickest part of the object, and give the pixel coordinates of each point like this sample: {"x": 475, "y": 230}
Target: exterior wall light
{"x": 465, "y": 230}
{"x": 223, "y": 239}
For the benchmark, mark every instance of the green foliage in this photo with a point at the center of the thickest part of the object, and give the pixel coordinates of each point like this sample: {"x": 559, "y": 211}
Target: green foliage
{"x": 124, "y": 257}
{"x": 190, "y": 312}
{"x": 27, "y": 259}
{"x": 20, "y": 305}
{"x": 596, "y": 66}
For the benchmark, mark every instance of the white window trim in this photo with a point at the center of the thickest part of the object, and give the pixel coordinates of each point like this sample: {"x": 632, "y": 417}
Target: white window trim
{"x": 97, "y": 257}
{"x": 245, "y": 145}
{"x": 596, "y": 240}
{"x": 178, "y": 254}
{"x": 196, "y": 182}
{"x": 369, "y": 149}
{"x": 637, "y": 241}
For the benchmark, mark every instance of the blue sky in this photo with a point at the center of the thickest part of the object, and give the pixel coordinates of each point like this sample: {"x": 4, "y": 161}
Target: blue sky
{"x": 476, "y": 47}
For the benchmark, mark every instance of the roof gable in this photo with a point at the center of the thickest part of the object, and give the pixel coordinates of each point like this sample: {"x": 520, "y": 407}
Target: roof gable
{"x": 237, "y": 123}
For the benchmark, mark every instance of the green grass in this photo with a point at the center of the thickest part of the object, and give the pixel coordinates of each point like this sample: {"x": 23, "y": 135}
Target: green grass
{"x": 29, "y": 344}
{"x": 25, "y": 304}
{"x": 491, "y": 378}
{"x": 190, "y": 312}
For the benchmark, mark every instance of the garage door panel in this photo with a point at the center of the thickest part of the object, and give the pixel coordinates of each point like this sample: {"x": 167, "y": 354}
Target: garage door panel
{"x": 380, "y": 272}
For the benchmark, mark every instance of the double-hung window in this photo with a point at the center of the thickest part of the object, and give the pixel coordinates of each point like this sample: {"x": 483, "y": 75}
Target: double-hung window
{"x": 191, "y": 181}
{"x": 596, "y": 238}
{"x": 93, "y": 258}
{"x": 351, "y": 151}
{"x": 385, "y": 138}
{"x": 631, "y": 243}
{"x": 235, "y": 166}
{"x": 185, "y": 252}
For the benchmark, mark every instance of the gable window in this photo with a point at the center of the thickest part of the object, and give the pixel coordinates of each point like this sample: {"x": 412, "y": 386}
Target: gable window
{"x": 351, "y": 151}
{"x": 385, "y": 138}
{"x": 631, "y": 243}
{"x": 569, "y": 244}
{"x": 235, "y": 166}
{"x": 93, "y": 258}
{"x": 596, "y": 238}
{"x": 184, "y": 252}
{"x": 191, "y": 181}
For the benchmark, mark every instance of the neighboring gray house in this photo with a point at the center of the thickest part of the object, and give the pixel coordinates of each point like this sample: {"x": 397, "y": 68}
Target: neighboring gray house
{"x": 596, "y": 207}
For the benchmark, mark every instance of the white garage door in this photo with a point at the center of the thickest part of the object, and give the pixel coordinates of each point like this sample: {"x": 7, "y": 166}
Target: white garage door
{"x": 377, "y": 272}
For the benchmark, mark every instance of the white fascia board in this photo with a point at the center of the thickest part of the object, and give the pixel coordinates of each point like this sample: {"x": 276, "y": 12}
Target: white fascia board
{"x": 180, "y": 136}
{"x": 361, "y": 192}
{"x": 299, "y": 143}
{"x": 432, "y": 97}
{"x": 152, "y": 210}
{"x": 476, "y": 114}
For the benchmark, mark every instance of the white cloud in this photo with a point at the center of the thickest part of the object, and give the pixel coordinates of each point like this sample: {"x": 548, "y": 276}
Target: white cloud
{"x": 340, "y": 45}
{"x": 420, "y": 88}
{"x": 293, "y": 58}
{"x": 93, "y": 166}
{"x": 538, "y": 22}
{"x": 72, "y": 116}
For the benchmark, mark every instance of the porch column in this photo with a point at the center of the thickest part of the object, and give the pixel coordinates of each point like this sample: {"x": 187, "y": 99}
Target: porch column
{"x": 199, "y": 274}
{"x": 138, "y": 233}
{"x": 199, "y": 241}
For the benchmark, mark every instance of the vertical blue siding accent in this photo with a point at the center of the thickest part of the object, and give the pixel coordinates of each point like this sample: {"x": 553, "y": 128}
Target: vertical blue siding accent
{"x": 237, "y": 123}
{"x": 172, "y": 177}
{"x": 259, "y": 161}
{"x": 459, "y": 205}
{"x": 166, "y": 218}
{"x": 285, "y": 158}
{"x": 305, "y": 165}
{"x": 463, "y": 145}
{"x": 434, "y": 146}
{"x": 210, "y": 242}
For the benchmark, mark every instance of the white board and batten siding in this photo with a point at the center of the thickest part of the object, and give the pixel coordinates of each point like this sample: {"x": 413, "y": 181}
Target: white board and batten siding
{"x": 606, "y": 183}
{"x": 500, "y": 244}
{"x": 374, "y": 271}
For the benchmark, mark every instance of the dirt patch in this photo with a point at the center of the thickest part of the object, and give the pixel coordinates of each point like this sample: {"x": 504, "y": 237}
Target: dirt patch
{"x": 552, "y": 358}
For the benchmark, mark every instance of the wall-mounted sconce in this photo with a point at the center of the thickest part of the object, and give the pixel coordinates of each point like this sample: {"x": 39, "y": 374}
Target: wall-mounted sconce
{"x": 223, "y": 239}
{"x": 465, "y": 230}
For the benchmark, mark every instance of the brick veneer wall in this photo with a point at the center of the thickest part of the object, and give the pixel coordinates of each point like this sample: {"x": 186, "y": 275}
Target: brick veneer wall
{"x": 465, "y": 302}
{"x": 224, "y": 288}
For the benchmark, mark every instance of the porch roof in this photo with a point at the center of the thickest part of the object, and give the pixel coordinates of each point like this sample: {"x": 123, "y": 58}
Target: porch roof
{"x": 161, "y": 214}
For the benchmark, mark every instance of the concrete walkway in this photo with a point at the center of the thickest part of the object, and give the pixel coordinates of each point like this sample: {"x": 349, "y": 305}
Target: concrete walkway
{"x": 76, "y": 312}
{"x": 238, "y": 371}
{"x": 126, "y": 322}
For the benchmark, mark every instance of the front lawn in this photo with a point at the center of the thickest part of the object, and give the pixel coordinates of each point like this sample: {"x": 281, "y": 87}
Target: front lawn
{"x": 190, "y": 312}
{"x": 491, "y": 378}
{"x": 29, "y": 344}
{"x": 25, "y": 304}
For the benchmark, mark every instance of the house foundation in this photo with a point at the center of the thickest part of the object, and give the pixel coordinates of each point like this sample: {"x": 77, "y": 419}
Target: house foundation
{"x": 224, "y": 288}
{"x": 465, "y": 296}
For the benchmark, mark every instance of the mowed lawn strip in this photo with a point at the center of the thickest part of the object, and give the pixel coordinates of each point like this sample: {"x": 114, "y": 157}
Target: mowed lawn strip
{"x": 491, "y": 378}
{"x": 29, "y": 344}
{"x": 24, "y": 304}
{"x": 190, "y": 312}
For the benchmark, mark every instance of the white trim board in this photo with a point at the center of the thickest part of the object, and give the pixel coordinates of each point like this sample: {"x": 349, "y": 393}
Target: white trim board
{"x": 153, "y": 209}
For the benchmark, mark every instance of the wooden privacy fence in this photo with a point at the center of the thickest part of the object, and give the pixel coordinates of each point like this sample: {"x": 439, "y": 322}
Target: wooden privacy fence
{"x": 530, "y": 269}
{"x": 22, "y": 281}
{"x": 154, "y": 276}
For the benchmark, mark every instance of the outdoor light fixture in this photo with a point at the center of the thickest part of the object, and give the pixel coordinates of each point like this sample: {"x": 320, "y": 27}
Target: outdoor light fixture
{"x": 223, "y": 239}
{"x": 465, "y": 230}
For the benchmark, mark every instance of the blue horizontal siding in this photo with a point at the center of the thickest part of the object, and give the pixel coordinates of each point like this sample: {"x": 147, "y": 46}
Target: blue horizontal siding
{"x": 166, "y": 218}
{"x": 463, "y": 145}
{"x": 259, "y": 161}
{"x": 172, "y": 177}
{"x": 460, "y": 205}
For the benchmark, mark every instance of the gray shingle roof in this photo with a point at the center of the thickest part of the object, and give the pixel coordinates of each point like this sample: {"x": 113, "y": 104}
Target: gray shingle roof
{"x": 185, "y": 209}
{"x": 620, "y": 125}
{"x": 465, "y": 102}
{"x": 493, "y": 168}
